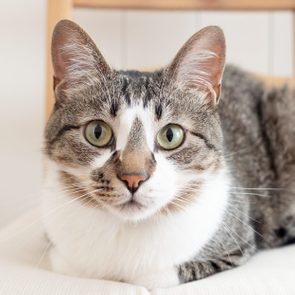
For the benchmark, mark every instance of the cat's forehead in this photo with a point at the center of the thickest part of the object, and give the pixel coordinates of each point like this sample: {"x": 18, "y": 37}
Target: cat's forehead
{"x": 125, "y": 91}
{"x": 154, "y": 93}
{"x": 127, "y": 96}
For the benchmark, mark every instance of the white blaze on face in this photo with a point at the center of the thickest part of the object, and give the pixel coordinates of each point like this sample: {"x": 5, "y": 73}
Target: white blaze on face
{"x": 122, "y": 130}
{"x": 127, "y": 118}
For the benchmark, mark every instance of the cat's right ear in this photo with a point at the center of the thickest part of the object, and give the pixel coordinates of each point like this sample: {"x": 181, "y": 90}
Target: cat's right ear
{"x": 75, "y": 58}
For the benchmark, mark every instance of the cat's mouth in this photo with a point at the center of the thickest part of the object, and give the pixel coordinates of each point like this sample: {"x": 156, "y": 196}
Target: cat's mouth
{"x": 134, "y": 209}
{"x": 131, "y": 205}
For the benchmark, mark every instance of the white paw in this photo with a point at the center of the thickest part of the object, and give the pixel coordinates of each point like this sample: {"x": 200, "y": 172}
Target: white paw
{"x": 159, "y": 279}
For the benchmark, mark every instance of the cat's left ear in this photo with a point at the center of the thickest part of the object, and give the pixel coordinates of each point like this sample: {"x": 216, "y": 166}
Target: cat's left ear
{"x": 75, "y": 57}
{"x": 199, "y": 64}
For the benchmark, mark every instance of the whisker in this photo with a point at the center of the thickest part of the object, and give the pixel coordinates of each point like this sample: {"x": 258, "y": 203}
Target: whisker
{"x": 178, "y": 205}
{"x": 258, "y": 188}
{"x": 240, "y": 211}
{"x": 223, "y": 247}
{"x": 249, "y": 194}
{"x": 234, "y": 239}
{"x": 246, "y": 224}
{"x": 45, "y": 251}
{"x": 46, "y": 215}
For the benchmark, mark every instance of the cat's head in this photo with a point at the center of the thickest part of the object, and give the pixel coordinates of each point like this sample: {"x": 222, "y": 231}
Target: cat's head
{"x": 135, "y": 144}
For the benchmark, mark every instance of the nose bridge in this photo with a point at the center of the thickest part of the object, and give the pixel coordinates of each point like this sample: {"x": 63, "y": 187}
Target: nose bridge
{"x": 136, "y": 160}
{"x": 136, "y": 137}
{"x": 136, "y": 151}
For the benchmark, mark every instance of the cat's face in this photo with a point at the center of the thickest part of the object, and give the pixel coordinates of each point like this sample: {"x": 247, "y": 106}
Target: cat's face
{"x": 131, "y": 143}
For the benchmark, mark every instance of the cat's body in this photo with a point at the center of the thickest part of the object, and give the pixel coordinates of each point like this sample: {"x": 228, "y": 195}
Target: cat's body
{"x": 259, "y": 137}
{"x": 204, "y": 207}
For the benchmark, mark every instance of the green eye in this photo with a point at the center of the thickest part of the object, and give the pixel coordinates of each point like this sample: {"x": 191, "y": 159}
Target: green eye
{"x": 170, "y": 137}
{"x": 98, "y": 133}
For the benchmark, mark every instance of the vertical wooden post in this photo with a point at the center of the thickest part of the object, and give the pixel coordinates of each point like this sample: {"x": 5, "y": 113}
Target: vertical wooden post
{"x": 56, "y": 10}
{"x": 293, "y": 44}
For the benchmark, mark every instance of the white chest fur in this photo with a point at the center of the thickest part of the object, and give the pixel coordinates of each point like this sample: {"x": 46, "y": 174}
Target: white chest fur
{"x": 94, "y": 243}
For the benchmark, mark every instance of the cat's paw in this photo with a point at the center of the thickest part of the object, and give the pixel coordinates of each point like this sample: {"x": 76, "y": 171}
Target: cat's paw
{"x": 160, "y": 279}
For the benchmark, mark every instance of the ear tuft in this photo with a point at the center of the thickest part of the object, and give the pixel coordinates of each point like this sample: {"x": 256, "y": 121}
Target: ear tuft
{"x": 199, "y": 64}
{"x": 75, "y": 57}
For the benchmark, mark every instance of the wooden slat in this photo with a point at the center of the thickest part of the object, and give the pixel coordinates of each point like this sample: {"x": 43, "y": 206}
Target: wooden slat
{"x": 293, "y": 41}
{"x": 56, "y": 10}
{"x": 189, "y": 4}
{"x": 274, "y": 81}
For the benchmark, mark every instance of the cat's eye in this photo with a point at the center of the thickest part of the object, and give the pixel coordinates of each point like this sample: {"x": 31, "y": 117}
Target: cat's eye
{"x": 170, "y": 137}
{"x": 98, "y": 133}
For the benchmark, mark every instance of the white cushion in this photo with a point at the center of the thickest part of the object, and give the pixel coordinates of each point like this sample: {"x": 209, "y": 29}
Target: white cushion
{"x": 25, "y": 269}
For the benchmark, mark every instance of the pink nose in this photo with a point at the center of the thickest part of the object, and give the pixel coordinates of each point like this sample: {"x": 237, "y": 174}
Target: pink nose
{"x": 133, "y": 180}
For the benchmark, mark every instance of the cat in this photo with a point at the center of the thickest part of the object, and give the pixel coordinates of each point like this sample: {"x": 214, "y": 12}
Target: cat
{"x": 159, "y": 178}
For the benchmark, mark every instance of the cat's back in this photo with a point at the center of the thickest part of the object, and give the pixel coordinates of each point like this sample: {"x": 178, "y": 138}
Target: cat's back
{"x": 241, "y": 112}
{"x": 259, "y": 139}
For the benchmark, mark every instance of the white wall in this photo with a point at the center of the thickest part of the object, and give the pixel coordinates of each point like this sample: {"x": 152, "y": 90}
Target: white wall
{"x": 22, "y": 71}
{"x": 258, "y": 41}
{"x": 129, "y": 39}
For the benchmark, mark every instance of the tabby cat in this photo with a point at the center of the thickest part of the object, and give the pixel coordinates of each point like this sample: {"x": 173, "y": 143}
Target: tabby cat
{"x": 157, "y": 179}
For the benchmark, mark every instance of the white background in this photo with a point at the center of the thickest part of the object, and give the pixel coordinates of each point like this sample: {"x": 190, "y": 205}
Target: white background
{"x": 260, "y": 42}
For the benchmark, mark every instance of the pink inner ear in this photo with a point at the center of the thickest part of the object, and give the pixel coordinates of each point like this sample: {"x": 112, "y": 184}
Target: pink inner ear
{"x": 59, "y": 65}
{"x": 75, "y": 57}
{"x": 200, "y": 62}
{"x": 60, "y": 37}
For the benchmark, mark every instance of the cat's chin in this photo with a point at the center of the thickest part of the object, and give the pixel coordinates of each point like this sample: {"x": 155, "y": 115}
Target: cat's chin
{"x": 133, "y": 211}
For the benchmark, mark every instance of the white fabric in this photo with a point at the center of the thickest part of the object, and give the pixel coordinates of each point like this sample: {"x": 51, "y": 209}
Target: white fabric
{"x": 24, "y": 269}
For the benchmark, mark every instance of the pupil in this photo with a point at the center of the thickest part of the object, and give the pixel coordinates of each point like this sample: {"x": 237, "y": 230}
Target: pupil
{"x": 97, "y": 131}
{"x": 169, "y": 134}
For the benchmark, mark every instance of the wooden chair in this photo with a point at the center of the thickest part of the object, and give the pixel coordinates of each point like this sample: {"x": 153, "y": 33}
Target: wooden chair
{"x": 60, "y": 9}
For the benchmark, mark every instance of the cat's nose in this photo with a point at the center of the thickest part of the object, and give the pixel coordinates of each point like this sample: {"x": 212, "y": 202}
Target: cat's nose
{"x": 133, "y": 180}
